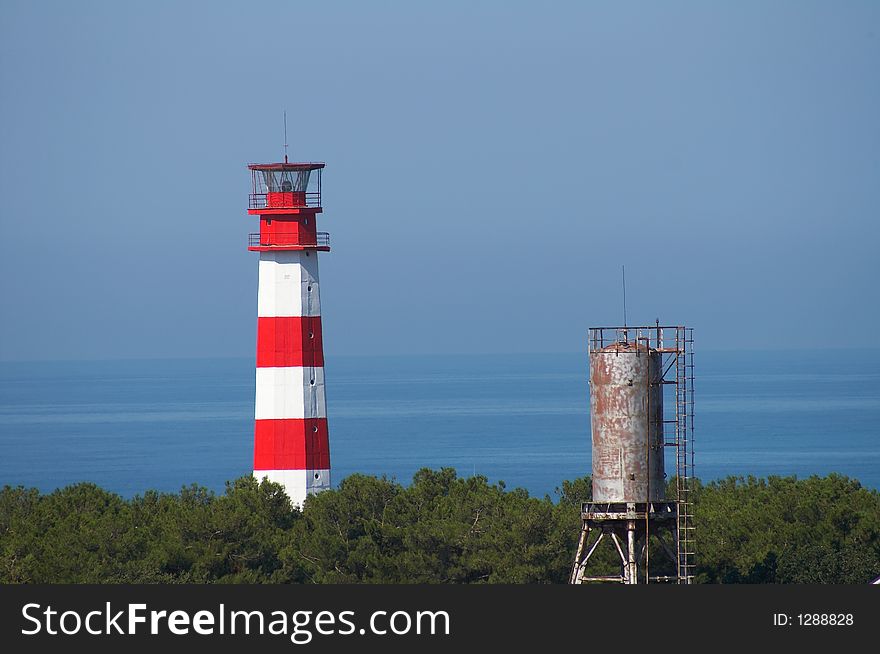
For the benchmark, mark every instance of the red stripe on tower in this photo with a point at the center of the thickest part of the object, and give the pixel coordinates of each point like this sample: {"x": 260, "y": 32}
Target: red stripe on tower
{"x": 294, "y": 443}
{"x": 291, "y": 443}
{"x": 289, "y": 341}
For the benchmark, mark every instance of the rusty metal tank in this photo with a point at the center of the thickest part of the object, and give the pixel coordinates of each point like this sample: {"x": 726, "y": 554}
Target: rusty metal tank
{"x": 626, "y": 411}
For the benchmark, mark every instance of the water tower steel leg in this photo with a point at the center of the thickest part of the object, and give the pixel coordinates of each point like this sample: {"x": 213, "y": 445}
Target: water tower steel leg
{"x": 632, "y": 576}
{"x": 576, "y": 568}
{"x": 578, "y": 571}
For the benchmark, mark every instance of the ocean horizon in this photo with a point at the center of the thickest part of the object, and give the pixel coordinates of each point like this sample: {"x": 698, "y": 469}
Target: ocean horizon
{"x": 136, "y": 425}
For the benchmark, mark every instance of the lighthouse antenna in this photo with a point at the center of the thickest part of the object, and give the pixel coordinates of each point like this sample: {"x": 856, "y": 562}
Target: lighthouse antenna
{"x": 285, "y": 137}
{"x": 623, "y": 270}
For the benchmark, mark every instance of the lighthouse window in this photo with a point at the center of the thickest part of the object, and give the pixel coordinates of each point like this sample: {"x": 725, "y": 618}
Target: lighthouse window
{"x": 310, "y": 289}
{"x": 317, "y": 475}
{"x": 285, "y": 180}
{"x": 312, "y": 382}
{"x": 315, "y": 428}
{"x": 311, "y": 334}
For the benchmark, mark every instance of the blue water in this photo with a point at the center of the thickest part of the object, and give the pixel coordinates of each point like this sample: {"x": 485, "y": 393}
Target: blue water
{"x": 130, "y": 426}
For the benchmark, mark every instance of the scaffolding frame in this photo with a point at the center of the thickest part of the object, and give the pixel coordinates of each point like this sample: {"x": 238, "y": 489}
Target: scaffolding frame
{"x": 621, "y": 520}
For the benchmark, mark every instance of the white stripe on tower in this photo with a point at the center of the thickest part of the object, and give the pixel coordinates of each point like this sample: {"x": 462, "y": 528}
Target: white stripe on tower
{"x": 291, "y": 392}
{"x": 290, "y": 443}
{"x": 288, "y": 284}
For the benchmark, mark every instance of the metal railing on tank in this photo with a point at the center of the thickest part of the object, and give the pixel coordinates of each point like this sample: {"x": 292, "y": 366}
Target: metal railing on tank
{"x": 255, "y": 240}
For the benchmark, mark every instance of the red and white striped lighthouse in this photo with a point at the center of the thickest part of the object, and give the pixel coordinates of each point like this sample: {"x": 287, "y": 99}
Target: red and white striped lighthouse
{"x": 291, "y": 445}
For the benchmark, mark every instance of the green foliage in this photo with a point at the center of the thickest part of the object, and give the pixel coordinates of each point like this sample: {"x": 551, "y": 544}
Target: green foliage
{"x": 785, "y": 530}
{"x": 82, "y": 534}
{"x": 440, "y": 529}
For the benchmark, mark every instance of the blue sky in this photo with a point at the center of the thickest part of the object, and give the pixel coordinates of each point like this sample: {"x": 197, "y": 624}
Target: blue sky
{"x": 490, "y": 167}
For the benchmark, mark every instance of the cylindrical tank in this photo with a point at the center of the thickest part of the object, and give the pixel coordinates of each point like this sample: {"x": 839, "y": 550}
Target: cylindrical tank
{"x": 626, "y": 410}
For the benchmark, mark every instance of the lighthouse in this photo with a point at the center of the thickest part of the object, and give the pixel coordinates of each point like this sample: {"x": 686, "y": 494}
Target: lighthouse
{"x": 291, "y": 445}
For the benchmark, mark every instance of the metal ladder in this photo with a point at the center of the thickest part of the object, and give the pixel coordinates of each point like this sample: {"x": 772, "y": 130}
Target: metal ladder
{"x": 684, "y": 419}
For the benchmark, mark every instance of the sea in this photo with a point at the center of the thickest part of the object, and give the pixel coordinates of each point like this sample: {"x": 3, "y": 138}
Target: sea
{"x": 135, "y": 425}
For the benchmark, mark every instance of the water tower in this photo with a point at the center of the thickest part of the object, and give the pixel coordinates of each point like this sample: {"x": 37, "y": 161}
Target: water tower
{"x": 291, "y": 445}
{"x": 634, "y": 372}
